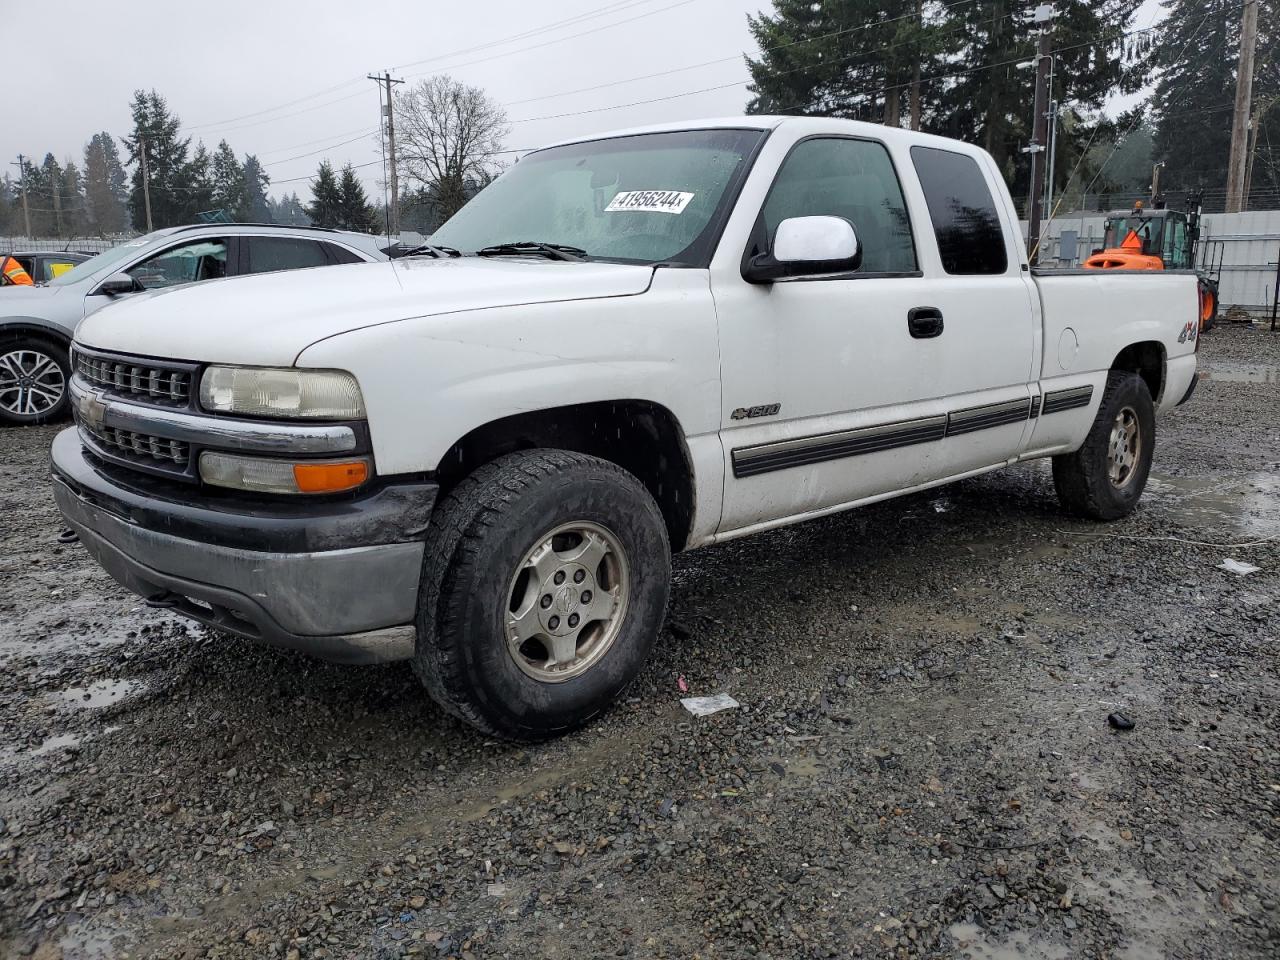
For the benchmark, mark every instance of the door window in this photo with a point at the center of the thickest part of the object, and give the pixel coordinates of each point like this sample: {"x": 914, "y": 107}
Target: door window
{"x": 1177, "y": 251}
{"x": 965, "y": 221}
{"x": 53, "y": 268}
{"x": 268, "y": 254}
{"x": 204, "y": 259}
{"x": 853, "y": 179}
{"x": 339, "y": 254}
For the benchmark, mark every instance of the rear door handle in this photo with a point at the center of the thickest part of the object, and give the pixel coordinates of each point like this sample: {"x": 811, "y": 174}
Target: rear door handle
{"x": 925, "y": 323}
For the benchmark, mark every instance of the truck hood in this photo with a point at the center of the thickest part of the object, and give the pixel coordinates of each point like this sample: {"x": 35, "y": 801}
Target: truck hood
{"x": 271, "y": 318}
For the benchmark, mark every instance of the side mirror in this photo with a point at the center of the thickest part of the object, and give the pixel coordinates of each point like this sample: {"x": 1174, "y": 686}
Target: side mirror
{"x": 804, "y": 247}
{"x": 117, "y": 285}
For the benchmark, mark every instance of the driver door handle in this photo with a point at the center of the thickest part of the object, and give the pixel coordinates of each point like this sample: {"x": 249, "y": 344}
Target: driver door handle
{"x": 925, "y": 323}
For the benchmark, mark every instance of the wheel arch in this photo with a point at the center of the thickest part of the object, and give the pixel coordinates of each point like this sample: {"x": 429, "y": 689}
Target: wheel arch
{"x": 11, "y": 329}
{"x": 1148, "y": 360}
{"x": 642, "y": 437}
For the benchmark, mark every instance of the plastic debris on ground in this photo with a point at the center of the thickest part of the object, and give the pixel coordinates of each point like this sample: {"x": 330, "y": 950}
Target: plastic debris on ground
{"x": 1238, "y": 566}
{"x": 705, "y": 706}
{"x": 1119, "y": 721}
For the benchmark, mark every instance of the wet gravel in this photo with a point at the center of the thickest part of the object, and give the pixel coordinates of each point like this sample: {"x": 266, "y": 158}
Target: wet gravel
{"x": 921, "y": 765}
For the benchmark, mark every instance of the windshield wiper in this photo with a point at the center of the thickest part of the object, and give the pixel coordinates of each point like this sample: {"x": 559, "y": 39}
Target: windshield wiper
{"x": 519, "y": 248}
{"x": 430, "y": 249}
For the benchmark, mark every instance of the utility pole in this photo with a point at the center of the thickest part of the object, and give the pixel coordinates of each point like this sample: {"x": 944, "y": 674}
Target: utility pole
{"x": 1236, "y": 171}
{"x": 1155, "y": 182}
{"x": 22, "y": 180}
{"x": 1053, "y": 152}
{"x": 57, "y": 207}
{"x": 1261, "y": 107}
{"x": 146, "y": 180}
{"x": 1043, "y": 17}
{"x": 393, "y": 213}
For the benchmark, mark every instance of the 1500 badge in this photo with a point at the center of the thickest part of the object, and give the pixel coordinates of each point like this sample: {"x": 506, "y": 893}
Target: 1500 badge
{"x": 750, "y": 413}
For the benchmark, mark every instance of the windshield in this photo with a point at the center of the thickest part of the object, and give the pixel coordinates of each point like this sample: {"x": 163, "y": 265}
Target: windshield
{"x": 643, "y": 199}
{"x": 1147, "y": 229}
{"x": 106, "y": 259}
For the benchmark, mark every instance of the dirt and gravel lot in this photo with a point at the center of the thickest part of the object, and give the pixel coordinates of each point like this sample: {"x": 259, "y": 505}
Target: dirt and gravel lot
{"x": 921, "y": 765}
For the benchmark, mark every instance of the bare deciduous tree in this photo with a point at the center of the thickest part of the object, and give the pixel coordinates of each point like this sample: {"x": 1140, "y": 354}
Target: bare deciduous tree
{"x": 448, "y": 136}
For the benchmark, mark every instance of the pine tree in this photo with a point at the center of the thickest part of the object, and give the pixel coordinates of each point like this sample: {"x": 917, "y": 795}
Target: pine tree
{"x": 105, "y": 194}
{"x": 860, "y": 59}
{"x": 198, "y": 188}
{"x": 39, "y": 199}
{"x": 325, "y": 209}
{"x": 167, "y": 162}
{"x": 289, "y": 210}
{"x": 52, "y": 187}
{"x": 254, "y": 205}
{"x": 990, "y": 102}
{"x": 357, "y": 212}
{"x": 1196, "y": 54}
{"x": 227, "y": 179}
{"x": 75, "y": 213}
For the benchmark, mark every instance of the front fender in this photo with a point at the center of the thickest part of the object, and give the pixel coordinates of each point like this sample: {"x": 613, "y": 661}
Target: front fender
{"x": 427, "y": 382}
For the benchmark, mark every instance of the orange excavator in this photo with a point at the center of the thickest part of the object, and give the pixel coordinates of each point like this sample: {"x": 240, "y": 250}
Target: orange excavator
{"x": 1158, "y": 239}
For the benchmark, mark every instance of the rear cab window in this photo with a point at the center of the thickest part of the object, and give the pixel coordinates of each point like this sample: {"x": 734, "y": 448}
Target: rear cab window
{"x": 965, "y": 220}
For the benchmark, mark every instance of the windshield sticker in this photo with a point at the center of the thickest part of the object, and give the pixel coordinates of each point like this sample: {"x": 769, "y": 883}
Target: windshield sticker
{"x": 649, "y": 201}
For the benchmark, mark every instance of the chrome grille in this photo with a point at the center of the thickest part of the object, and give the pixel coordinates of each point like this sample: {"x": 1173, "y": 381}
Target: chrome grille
{"x": 142, "y": 379}
{"x": 140, "y": 445}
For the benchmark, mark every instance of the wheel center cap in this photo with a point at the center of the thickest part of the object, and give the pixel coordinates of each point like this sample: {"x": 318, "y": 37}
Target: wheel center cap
{"x": 565, "y": 599}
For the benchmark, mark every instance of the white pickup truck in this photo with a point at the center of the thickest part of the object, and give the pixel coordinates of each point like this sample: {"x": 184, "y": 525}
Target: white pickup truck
{"x": 481, "y": 458}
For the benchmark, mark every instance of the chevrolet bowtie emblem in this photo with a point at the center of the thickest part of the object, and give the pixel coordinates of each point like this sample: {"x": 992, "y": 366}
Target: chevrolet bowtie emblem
{"x": 92, "y": 410}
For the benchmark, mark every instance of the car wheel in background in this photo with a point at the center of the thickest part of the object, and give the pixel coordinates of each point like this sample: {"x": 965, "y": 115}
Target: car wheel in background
{"x": 33, "y": 381}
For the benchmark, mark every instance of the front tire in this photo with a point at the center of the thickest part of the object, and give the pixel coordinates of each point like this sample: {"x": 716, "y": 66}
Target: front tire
{"x": 543, "y": 590}
{"x": 33, "y": 381}
{"x": 1104, "y": 479}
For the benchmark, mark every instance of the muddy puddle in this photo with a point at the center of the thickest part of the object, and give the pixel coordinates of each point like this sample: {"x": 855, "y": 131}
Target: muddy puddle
{"x": 104, "y": 693}
{"x": 1242, "y": 373}
{"x": 1225, "y": 509}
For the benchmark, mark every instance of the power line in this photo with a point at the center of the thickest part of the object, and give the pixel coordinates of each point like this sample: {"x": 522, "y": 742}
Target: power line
{"x": 259, "y": 113}
{"x": 547, "y": 43}
{"x": 738, "y": 56}
{"x": 307, "y": 143}
{"x": 605, "y": 11}
{"x": 275, "y": 163}
{"x": 611, "y": 8}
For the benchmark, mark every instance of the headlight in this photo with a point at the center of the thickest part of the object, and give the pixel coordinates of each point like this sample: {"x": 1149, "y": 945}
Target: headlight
{"x": 261, "y": 475}
{"x": 282, "y": 392}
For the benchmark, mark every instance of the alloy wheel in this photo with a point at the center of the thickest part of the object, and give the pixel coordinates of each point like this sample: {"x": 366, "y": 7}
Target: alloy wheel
{"x": 31, "y": 383}
{"x": 1124, "y": 447}
{"x": 567, "y": 602}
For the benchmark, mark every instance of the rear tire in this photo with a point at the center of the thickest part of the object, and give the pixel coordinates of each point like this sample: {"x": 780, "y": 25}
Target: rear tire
{"x": 1104, "y": 479}
{"x": 543, "y": 590}
{"x": 33, "y": 381}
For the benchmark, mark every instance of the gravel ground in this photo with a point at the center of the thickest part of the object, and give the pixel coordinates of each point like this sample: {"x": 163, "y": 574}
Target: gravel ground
{"x": 921, "y": 766}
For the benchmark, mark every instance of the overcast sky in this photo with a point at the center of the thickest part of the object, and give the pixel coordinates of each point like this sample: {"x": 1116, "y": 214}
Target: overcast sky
{"x": 285, "y": 79}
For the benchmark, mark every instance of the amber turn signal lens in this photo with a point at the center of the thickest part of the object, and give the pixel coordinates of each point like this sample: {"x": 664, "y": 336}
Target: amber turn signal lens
{"x": 330, "y": 477}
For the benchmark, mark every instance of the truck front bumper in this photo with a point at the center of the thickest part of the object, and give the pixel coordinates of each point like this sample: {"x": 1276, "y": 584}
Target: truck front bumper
{"x": 334, "y": 578}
